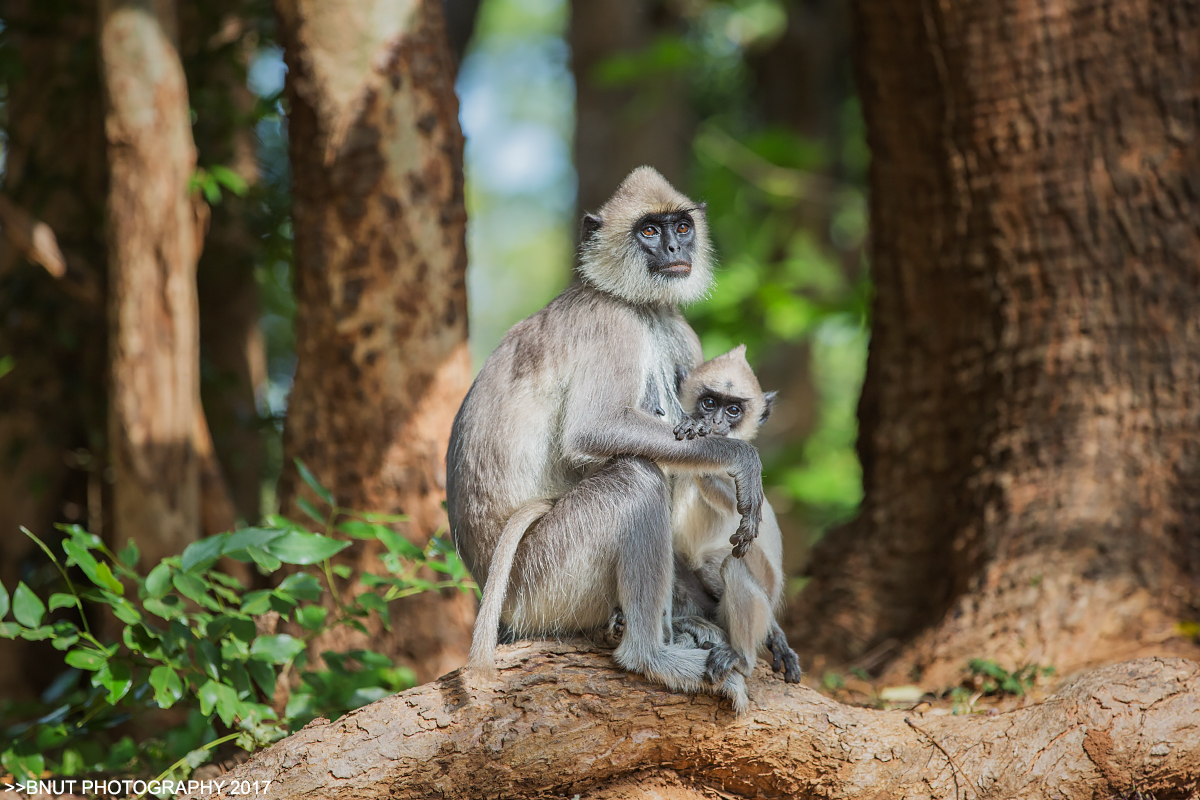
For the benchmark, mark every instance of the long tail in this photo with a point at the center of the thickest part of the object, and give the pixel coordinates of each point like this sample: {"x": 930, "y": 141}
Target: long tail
{"x": 487, "y": 624}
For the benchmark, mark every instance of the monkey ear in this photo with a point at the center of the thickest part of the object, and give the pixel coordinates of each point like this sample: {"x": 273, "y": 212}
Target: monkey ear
{"x": 591, "y": 224}
{"x": 768, "y": 404}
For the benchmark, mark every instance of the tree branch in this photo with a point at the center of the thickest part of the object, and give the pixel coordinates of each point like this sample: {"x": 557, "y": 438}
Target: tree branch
{"x": 560, "y": 719}
{"x": 31, "y": 237}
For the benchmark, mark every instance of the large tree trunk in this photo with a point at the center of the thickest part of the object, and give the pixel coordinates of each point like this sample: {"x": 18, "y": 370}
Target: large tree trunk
{"x": 381, "y": 323}
{"x": 156, "y": 429}
{"x": 1030, "y": 417}
{"x": 52, "y": 403}
{"x": 560, "y": 722}
{"x": 620, "y": 127}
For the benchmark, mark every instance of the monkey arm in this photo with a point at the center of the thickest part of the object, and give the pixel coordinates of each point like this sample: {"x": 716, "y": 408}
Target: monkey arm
{"x": 631, "y": 432}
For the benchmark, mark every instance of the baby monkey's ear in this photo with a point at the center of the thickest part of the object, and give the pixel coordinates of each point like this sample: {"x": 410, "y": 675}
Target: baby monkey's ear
{"x": 591, "y": 224}
{"x": 768, "y": 404}
{"x": 681, "y": 373}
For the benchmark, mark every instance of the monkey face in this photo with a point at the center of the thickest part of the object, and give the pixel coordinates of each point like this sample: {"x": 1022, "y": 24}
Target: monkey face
{"x": 648, "y": 244}
{"x": 667, "y": 240}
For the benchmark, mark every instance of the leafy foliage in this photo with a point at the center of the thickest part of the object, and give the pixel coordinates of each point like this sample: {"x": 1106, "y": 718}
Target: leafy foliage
{"x": 192, "y": 639}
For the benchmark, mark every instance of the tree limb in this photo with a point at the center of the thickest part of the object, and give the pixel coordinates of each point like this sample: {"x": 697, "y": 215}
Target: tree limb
{"x": 31, "y": 237}
{"x": 561, "y": 719}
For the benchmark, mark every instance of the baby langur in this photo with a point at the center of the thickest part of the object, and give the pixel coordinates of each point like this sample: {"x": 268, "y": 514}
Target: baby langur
{"x": 722, "y": 398}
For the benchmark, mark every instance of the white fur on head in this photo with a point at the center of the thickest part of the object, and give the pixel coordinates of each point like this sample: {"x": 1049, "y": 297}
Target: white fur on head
{"x": 730, "y": 374}
{"x": 613, "y": 261}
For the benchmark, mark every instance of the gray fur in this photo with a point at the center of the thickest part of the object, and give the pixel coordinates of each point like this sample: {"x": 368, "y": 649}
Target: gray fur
{"x": 566, "y": 410}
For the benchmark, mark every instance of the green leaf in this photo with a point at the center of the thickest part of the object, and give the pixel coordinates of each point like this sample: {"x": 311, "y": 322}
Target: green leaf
{"x": 398, "y": 544}
{"x": 167, "y": 608}
{"x": 123, "y": 610}
{"x": 115, "y": 676}
{"x": 130, "y": 554}
{"x": 202, "y": 554}
{"x": 87, "y": 658}
{"x": 311, "y": 617}
{"x": 61, "y": 600}
{"x": 24, "y": 767}
{"x": 304, "y": 548}
{"x": 277, "y": 649}
{"x": 223, "y": 698}
{"x": 301, "y": 585}
{"x": 27, "y": 606}
{"x": 239, "y": 540}
{"x": 229, "y": 179}
{"x": 207, "y": 658}
{"x": 257, "y": 602}
{"x": 158, "y": 582}
{"x": 342, "y": 570}
{"x": 7, "y": 365}
{"x": 358, "y": 529}
{"x": 72, "y": 762}
{"x": 192, "y": 588}
{"x": 38, "y": 634}
{"x": 107, "y": 580}
{"x": 51, "y": 736}
{"x": 313, "y": 483}
{"x": 168, "y": 688}
{"x": 9, "y": 630}
{"x": 263, "y": 675}
{"x": 263, "y": 559}
{"x": 3, "y": 601}
{"x": 309, "y": 509}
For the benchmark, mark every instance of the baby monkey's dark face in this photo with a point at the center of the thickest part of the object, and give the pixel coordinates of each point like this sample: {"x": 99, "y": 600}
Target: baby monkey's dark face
{"x": 716, "y": 414}
{"x": 667, "y": 240}
{"x": 724, "y": 413}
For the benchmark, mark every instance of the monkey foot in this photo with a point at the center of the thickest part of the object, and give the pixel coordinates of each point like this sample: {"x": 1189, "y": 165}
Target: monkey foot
{"x": 783, "y": 657}
{"x": 723, "y": 660}
{"x": 616, "y": 624}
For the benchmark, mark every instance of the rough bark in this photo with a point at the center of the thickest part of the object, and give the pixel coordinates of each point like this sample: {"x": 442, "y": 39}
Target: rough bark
{"x": 1030, "y": 417}
{"x": 153, "y": 246}
{"x": 622, "y": 127}
{"x": 52, "y": 403}
{"x": 559, "y": 721}
{"x": 381, "y": 322}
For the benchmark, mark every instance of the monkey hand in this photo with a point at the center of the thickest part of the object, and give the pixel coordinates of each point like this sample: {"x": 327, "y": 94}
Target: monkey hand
{"x": 748, "y": 483}
{"x": 690, "y": 428}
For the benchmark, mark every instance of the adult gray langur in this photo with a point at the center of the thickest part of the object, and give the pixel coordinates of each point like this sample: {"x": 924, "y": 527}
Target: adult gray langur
{"x": 556, "y": 492}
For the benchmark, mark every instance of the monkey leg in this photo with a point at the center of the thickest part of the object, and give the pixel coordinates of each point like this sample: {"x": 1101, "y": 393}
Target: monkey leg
{"x": 607, "y": 544}
{"x": 744, "y": 611}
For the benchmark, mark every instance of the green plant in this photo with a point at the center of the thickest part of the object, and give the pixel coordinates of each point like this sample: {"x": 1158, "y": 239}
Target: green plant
{"x": 992, "y": 679}
{"x": 187, "y": 640}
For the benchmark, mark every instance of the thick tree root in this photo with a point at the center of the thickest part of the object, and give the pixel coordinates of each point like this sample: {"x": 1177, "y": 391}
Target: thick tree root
{"x": 559, "y": 720}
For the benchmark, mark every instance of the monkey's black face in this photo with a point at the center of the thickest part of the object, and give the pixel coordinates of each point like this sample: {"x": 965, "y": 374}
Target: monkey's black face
{"x": 667, "y": 240}
{"x": 723, "y": 412}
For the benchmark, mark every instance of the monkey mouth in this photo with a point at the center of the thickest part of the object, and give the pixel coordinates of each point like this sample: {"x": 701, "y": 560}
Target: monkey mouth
{"x": 676, "y": 269}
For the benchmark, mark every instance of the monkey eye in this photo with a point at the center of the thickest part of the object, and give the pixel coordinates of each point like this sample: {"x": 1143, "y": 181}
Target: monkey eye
{"x": 650, "y": 230}
{"x": 683, "y": 227}
{"x": 708, "y": 404}
{"x": 734, "y": 411}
